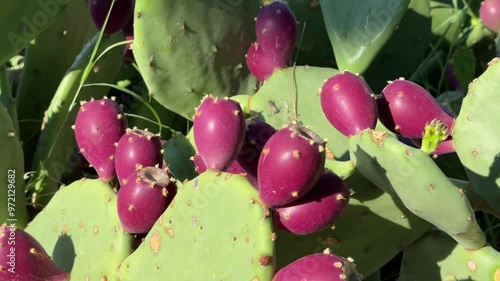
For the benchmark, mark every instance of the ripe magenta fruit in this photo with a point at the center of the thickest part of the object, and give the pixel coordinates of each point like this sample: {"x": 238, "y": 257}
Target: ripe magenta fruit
{"x": 276, "y": 30}
{"x": 122, "y": 11}
{"x": 143, "y": 197}
{"x": 256, "y": 136}
{"x": 136, "y": 149}
{"x": 99, "y": 124}
{"x": 260, "y": 65}
{"x": 23, "y": 258}
{"x": 199, "y": 165}
{"x": 290, "y": 164}
{"x": 235, "y": 168}
{"x": 490, "y": 14}
{"x": 318, "y": 209}
{"x": 319, "y": 267}
{"x": 218, "y": 129}
{"x": 407, "y": 107}
{"x": 347, "y": 102}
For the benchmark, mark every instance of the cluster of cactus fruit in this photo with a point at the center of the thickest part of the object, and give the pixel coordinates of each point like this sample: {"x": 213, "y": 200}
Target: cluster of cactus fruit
{"x": 267, "y": 165}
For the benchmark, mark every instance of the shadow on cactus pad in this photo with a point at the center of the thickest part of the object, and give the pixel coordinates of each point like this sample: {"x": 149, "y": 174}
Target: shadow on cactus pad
{"x": 81, "y": 229}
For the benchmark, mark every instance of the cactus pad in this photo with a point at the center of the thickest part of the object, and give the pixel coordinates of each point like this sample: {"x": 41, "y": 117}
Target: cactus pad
{"x": 81, "y": 230}
{"x": 436, "y": 256}
{"x": 476, "y": 132}
{"x": 186, "y": 49}
{"x": 215, "y": 229}
{"x": 389, "y": 163}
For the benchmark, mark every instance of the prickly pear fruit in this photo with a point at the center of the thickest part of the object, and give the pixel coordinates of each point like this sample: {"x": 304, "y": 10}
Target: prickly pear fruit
{"x": 489, "y": 12}
{"x": 99, "y": 124}
{"x": 218, "y": 130}
{"x": 137, "y": 148}
{"x": 319, "y": 266}
{"x": 143, "y": 197}
{"x": 22, "y": 258}
{"x": 407, "y": 107}
{"x": 122, "y": 11}
{"x": 199, "y": 164}
{"x": 256, "y": 136}
{"x": 235, "y": 168}
{"x": 318, "y": 209}
{"x": 347, "y": 102}
{"x": 290, "y": 164}
{"x": 260, "y": 65}
{"x": 276, "y": 30}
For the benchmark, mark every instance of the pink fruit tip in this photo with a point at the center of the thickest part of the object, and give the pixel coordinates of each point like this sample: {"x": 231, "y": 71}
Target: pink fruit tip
{"x": 489, "y": 12}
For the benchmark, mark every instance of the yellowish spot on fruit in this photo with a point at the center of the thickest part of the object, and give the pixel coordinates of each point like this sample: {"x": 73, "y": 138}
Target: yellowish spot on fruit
{"x": 342, "y": 276}
{"x": 236, "y": 112}
{"x": 337, "y": 264}
{"x": 131, "y": 208}
{"x": 336, "y": 87}
{"x": 265, "y": 151}
{"x": 296, "y": 154}
{"x": 96, "y": 229}
{"x": 33, "y": 251}
{"x": 295, "y": 194}
{"x": 164, "y": 192}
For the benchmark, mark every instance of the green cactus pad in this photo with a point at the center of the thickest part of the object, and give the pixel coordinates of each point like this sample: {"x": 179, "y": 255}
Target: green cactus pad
{"x": 436, "y": 256}
{"x": 48, "y": 57}
{"x": 24, "y": 20}
{"x": 215, "y": 229}
{"x": 476, "y": 134}
{"x": 186, "y": 49}
{"x": 399, "y": 169}
{"x": 372, "y": 230}
{"x": 359, "y": 29}
{"x": 50, "y": 163}
{"x": 12, "y": 170}
{"x": 7, "y": 100}
{"x": 81, "y": 231}
{"x": 177, "y": 153}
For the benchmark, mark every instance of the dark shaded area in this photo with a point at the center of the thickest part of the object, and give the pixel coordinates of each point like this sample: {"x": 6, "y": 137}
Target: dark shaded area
{"x": 64, "y": 253}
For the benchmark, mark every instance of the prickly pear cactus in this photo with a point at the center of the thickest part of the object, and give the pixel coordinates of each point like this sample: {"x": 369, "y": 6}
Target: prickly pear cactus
{"x": 57, "y": 140}
{"x": 436, "y": 256}
{"x": 475, "y": 133}
{"x": 397, "y": 169}
{"x": 81, "y": 231}
{"x": 193, "y": 48}
{"x": 216, "y": 228}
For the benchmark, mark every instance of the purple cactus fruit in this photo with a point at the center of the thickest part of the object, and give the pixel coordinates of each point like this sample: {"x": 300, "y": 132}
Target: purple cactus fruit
{"x": 276, "y": 29}
{"x": 122, "y": 11}
{"x": 219, "y": 130}
{"x": 489, "y": 12}
{"x": 136, "y": 149}
{"x": 235, "y": 168}
{"x": 407, "y": 107}
{"x": 199, "y": 164}
{"x": 99, "y": 125}
{"x": 143, "y": 197}
{"x": 319, "y": 267}
{"x": 318, "y": 209}
{"x": 260, "y": 65}
{"x": 22, "y": 258}
{"x": 290, "y": 164}
{"x": 347, "y": 102}
{"x": 257, "y": 135}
